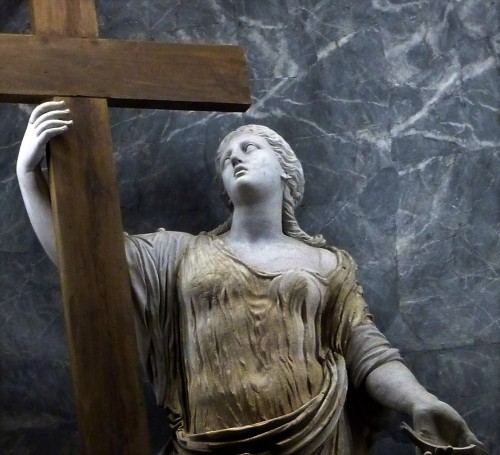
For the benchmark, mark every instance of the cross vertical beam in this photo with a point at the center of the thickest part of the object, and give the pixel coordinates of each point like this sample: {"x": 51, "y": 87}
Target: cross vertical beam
{"x": 66, "y": 58}
{"x": 104, "y": 361}
{"x": 64, "y": 18}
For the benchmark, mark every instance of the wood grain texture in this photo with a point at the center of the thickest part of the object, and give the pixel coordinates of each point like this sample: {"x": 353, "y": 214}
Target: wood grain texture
{"x": 94, "y": 281}
{"x": 66, "y": 58}
{"x": 105, "y": 369}
{"x": 64, "y": 18}
{"x": 127, "y": 73}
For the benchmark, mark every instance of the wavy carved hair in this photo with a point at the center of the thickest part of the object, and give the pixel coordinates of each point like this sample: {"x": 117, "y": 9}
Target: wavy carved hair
{"x": 294, "y": 182}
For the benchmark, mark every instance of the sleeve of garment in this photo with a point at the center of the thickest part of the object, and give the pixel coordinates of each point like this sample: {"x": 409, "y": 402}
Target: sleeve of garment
{"x": 367, "y": 349}
{"x": 153, "y": 260}
{"x": 355, "y": 335}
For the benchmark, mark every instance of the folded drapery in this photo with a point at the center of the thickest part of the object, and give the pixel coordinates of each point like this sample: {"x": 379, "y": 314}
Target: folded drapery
{"x": 302, "y": 431}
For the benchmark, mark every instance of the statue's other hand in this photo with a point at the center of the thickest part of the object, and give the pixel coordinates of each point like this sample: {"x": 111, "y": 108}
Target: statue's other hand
{"x": 46, "y": 121}
{"x": 439, "y": 422}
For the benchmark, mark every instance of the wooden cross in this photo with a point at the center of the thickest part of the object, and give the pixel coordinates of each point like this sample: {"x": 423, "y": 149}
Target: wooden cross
{"x": 66, "y": 58}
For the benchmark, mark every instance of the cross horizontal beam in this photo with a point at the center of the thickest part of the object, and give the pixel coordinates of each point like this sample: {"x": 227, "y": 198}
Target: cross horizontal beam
{"x": 185, "y": 76}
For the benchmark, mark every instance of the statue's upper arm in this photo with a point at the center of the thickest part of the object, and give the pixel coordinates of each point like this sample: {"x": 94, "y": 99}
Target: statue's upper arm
{"x": 327, "y": 261}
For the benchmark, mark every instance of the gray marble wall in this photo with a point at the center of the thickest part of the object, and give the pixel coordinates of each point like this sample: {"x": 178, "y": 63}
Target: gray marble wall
{"x": 393, "y": 107}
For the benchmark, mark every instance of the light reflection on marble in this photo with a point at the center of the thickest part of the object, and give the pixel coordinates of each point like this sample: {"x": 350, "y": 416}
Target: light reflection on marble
{"x": 393, "y": 108}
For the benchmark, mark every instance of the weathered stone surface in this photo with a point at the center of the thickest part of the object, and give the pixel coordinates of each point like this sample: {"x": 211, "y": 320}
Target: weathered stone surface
{"x": 393, "y": 109}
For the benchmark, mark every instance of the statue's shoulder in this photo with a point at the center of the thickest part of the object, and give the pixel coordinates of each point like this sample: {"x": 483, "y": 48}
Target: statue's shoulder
{"x": 328, "y": 260}
{"x": 160, "y": 239}
{"x": 324, "y": 259}
{"x": 343, "y": 258}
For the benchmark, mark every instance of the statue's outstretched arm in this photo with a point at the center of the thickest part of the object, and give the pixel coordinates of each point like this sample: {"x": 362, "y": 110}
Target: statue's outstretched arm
{"x": 394, "y": 386}
{"x": 46, "y": 121}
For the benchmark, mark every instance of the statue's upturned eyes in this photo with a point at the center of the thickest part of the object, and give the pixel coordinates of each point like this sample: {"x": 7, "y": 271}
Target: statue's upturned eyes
{"x": 249, "y": 147}
{"x": 245, "y": 148}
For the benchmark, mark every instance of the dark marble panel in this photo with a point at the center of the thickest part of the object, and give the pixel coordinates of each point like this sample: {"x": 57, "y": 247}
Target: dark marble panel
{"x": 273, "y": 51}
{"x": 185, "y": 22}
{"x": 153, "y": 172}
{"x": 455, "y": 376}
{"x": 14, "y": 17}
{"x": 437, "y": 62}
{"x": 349, "y": 95}
{"x": 446, "y": 120}
{"x": 61, "y": 440}
{"x": 468, "y": 378}
{"x": 448, "y": 249}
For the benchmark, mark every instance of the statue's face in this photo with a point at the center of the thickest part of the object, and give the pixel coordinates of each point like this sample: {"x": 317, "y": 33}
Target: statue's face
{"x": 250, "y": 168}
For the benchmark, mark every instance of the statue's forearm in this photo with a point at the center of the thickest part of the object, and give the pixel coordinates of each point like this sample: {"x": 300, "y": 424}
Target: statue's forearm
{"x": 36, "y": 196}
{"x": 394, "y": 385}
{"x": 47, "y": 121}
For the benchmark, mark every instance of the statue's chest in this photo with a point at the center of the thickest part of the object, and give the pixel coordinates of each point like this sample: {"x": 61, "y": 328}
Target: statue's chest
{"x": 211, "y": 282}
{"x": 274, "y": 258}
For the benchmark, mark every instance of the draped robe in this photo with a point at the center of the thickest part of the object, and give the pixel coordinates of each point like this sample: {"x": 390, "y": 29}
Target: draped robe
{"x": 248, "y": 361}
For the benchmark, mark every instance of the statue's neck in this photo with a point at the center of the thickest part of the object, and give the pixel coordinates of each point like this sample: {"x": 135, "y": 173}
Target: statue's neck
{"x": 256, "y": 223}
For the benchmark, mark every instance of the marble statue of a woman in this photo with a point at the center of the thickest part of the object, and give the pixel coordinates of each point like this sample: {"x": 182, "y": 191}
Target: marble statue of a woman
{"x": 253, "y": 334}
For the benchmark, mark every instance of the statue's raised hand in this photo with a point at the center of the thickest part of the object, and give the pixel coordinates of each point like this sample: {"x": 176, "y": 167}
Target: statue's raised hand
{"x": 46, "y": 121}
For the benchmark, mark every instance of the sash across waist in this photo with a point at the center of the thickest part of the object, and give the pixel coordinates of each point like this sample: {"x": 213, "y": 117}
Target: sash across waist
{"x": 301, "y": 431}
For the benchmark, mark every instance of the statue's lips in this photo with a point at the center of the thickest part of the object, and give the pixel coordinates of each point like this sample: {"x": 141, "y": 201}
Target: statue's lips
{"x": 239, "y": 170}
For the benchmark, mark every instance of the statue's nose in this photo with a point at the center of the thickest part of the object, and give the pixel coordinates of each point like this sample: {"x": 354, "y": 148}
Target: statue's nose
{"x": 235, "y": 160}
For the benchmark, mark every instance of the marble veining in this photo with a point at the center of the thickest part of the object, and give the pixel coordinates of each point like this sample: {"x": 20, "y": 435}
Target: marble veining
{"x": 393, "y": 108}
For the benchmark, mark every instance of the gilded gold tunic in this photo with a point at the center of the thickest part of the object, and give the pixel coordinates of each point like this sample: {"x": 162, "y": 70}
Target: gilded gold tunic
{"x": 249, "y": 361}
